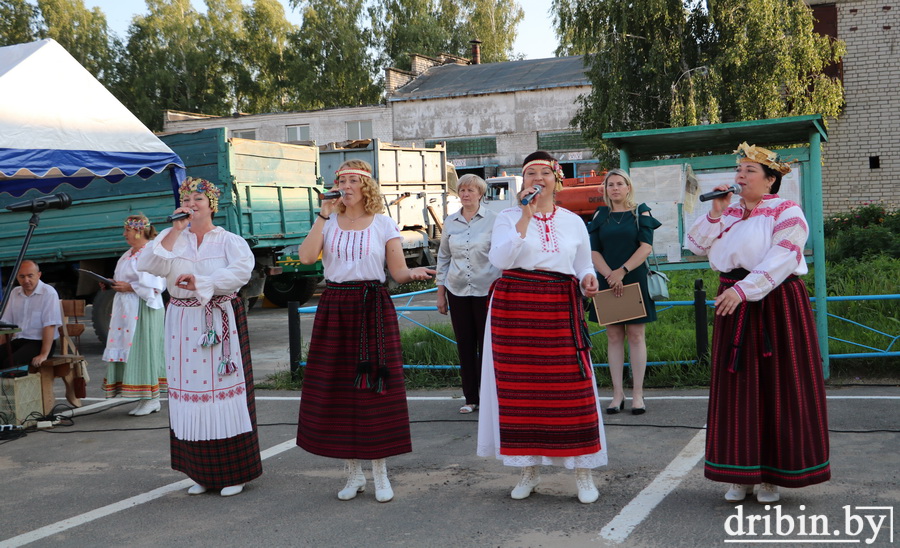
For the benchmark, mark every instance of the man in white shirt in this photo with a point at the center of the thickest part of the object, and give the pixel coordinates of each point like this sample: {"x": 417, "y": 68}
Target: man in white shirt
{"x": 34, "y": 307}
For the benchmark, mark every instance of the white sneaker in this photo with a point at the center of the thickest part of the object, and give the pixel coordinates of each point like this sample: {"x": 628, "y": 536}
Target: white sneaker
{"x": 768, "y": 493}
{"x": 356, "y": 481}
{"x": 232, "y": 490}
{"x": 531, "y": 477}
{"x": 738, "y": 492}
{"x": 151, "y": 406}
{"x": 196, "y": 489}
{"x": 587, "y": 490}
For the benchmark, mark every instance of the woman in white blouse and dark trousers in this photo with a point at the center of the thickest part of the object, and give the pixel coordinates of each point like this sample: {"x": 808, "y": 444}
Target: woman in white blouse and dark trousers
{"x": 464, "y": 277}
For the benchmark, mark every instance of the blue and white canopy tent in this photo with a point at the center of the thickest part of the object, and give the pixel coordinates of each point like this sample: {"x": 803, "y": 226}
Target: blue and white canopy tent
{"x": 58, "y": 124}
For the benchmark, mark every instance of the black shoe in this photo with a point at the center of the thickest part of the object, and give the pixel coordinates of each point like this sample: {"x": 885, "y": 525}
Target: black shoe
{"x": 639, "y": 410}
{"x": 615, "y": 410}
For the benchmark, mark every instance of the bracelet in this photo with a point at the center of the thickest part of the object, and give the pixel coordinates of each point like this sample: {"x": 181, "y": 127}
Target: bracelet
{"x": 322, "y": 216}
{"x": 625, "y": 268}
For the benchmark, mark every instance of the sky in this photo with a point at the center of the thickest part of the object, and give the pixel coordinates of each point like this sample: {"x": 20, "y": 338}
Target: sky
{"x": 535, "y": 37}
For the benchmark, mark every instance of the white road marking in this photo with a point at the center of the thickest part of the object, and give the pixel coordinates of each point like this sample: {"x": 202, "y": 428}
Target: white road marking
{"x": 125, "y": 504}
{"x": 640, "y": 507}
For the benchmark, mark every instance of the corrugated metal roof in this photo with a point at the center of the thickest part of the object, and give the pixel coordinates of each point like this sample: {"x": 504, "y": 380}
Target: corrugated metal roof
{"x": 460, "y": 80}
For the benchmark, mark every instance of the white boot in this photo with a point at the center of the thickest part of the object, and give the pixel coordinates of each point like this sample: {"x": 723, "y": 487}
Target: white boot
{"x": 356, "y": 480}
{"x": 737, "y": 492}
{"x": 767, "y": 493}
{"x": 232, "y": 490}
{"x": 149, "y": 406}
{"x": 584, "y": 481}
{"x": 531, "y": 477}
{"x": 383, "y": 491}
{"x": 141, "y": 404}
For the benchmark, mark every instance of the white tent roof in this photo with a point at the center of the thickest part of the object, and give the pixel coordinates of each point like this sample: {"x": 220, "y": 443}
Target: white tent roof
{"x": 59, "y": 124}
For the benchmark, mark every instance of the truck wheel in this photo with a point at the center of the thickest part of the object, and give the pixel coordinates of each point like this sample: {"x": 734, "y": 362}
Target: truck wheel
{"x": 101, "y": 311}
{"x": 284, "y": 288}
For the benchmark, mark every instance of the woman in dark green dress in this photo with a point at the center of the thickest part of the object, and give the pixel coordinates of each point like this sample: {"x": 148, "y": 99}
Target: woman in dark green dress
{"x": 621, "y": 235}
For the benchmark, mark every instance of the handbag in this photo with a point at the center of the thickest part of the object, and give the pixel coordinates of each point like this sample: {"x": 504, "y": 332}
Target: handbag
{"x": 657, "y": 282}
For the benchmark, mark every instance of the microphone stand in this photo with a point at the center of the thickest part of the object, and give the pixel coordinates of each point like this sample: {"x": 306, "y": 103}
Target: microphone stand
{"x": 32, "y": 224}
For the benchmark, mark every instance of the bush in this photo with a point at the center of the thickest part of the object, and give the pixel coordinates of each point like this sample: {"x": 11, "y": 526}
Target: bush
{"x": 862, "y": 242}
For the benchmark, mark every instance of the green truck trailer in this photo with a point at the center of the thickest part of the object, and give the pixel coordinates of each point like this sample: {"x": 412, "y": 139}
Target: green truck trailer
{"x": 270, "y": 197}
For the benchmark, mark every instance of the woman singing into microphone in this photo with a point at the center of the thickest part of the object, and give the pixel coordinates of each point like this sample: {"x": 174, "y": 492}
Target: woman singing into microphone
{"x": 354, "y": 398}
{"x": 538, "y": 393}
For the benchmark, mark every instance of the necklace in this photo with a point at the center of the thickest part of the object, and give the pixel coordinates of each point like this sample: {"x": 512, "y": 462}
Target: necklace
{"x": 621, "y": 215}
{"x": 356, "y": 219}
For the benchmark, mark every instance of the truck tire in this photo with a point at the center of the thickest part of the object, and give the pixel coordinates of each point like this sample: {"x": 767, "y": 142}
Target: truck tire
{"x": 288, "y": 287}
{"x": 101, "y": 312}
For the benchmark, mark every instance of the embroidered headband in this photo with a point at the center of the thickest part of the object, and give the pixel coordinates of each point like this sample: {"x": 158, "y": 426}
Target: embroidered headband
{"x": 191, "y": 185}
{"x": 760, "y": 155}
{"x": 552, "y": 164}
{"x": 360, "y": 172}
{"x": 137, "y": 224}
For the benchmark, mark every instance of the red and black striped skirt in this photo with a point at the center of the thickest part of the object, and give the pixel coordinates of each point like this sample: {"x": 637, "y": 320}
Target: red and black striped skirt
{"x": 542, "y": 365}
{"x": 767, "y": 419}
{"x": 215, "y": 464}
{"x": 353, "y": 404}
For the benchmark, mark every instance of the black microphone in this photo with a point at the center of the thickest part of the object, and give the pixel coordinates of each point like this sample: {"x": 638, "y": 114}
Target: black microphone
{"x": 735, "y": 188}
{"x": 331, "y": 195}
{"x": 56, "y": 201}
{"x": 527, "y": 199}
{"x": 178, "y": 216}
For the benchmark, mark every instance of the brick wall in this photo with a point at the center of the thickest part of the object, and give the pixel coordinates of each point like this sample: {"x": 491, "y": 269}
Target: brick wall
{"x": 869, "y": 126}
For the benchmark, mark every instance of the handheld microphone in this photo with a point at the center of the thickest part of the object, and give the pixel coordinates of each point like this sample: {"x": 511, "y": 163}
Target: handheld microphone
{"x": 527, "y": 199}
{"x": 178, "y": 216}
{"x": 734, "y": 188}
{"x": 331, "y": 195}
{"x": 56, "y": 201}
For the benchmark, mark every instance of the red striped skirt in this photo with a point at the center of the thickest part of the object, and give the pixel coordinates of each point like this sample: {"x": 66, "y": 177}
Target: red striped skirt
{"x": 353, "y": 404}
{"x": 230, "y": 461}
{"x": 767, "y": 420}
{"x": 542, "y": 365}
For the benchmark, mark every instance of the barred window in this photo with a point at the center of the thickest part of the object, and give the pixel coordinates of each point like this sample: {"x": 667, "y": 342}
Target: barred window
{"x": 566, "y": 140}
{"x": 468, "y": 147}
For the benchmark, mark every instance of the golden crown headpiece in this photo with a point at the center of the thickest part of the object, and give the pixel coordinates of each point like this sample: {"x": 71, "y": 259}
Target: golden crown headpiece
{"x": 764, "y": 156}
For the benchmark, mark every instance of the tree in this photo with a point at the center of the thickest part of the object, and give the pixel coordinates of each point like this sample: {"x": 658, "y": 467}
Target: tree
{"x": 331, "y": 65}
{"x": 667, "y": 63}
{"x": 83, "y": 33}
{"x": 494, "y": 22}
{"x": 18, "y": 22}
{"x": 262, "y": 81}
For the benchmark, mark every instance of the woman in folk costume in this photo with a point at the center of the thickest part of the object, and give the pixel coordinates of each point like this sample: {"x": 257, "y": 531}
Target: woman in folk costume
{"x": 767, "y": 421}
{"x": 212, "y": 410}
{"x": 354, "y": 399}
{"x": 538, "y": 393}
{"x": 134, "y": 347}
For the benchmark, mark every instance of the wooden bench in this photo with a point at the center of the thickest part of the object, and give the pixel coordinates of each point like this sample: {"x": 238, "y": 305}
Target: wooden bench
{"x": 63, "y": 365}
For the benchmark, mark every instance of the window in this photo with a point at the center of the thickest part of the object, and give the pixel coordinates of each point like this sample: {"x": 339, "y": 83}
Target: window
{"x": 298, "y": 133}
{"x": 244, "y": 133}
{"x": 468, "y": 147}
{"x": 359, "y": 129}
{"x": 566, "y": 140}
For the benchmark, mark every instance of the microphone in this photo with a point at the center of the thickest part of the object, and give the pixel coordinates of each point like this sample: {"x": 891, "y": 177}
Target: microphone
{"x": 527, "y": 199}
{"x": 734, "y": 188}
{"x": 56, "y": 201}
{"x": 178, "y": 216}
{"x": 331, "y": 195}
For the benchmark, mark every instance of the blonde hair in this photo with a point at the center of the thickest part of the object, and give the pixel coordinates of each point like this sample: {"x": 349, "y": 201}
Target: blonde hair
{"x": 372, "y": 201}
{"x": 629, "y": 198}
{"x": 470, "y": 179}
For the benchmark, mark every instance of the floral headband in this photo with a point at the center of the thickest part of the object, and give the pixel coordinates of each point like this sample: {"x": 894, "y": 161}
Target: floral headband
{"x": 137, "y": 224}
{"x": 760, "y": 155}
{"x": 552, "y": 164}
{"x": 360, "y": 172}
{"x": 192, "y": 184}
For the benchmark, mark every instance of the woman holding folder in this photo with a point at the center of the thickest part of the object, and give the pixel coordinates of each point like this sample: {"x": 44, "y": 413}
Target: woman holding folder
{"x": 621, "y": 234}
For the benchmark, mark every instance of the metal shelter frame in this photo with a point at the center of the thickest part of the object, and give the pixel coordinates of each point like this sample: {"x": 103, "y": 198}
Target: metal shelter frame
{"x": 710, "y": 147}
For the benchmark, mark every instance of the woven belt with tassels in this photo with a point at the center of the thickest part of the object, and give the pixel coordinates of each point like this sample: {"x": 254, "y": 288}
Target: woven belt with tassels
{"x": 369, "y": 375}
{"x": 211, "y": 338}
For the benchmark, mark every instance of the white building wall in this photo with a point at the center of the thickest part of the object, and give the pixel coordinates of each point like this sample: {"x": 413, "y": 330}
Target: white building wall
{"x": 870, "y": 122}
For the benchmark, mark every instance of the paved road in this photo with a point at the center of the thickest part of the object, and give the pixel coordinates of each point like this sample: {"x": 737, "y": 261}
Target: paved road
{"x": 106, "y": 481}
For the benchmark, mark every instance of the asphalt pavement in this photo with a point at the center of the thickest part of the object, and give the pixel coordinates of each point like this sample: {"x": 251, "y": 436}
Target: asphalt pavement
{"x": 105, "y": 480}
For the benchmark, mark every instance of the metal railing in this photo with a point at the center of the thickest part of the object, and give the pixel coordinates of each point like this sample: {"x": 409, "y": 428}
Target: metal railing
{"x": 701, "y": 328}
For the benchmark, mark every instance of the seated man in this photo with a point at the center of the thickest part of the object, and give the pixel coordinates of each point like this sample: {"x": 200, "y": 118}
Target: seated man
{"x": 34, "y": 307}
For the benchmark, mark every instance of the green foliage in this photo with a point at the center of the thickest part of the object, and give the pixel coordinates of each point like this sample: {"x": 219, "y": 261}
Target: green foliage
{"x": 863, "y": 232}
{"x": 18, "y": 22}
{"x": 668, "y": 63}
{"x": 83, "y": 33}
